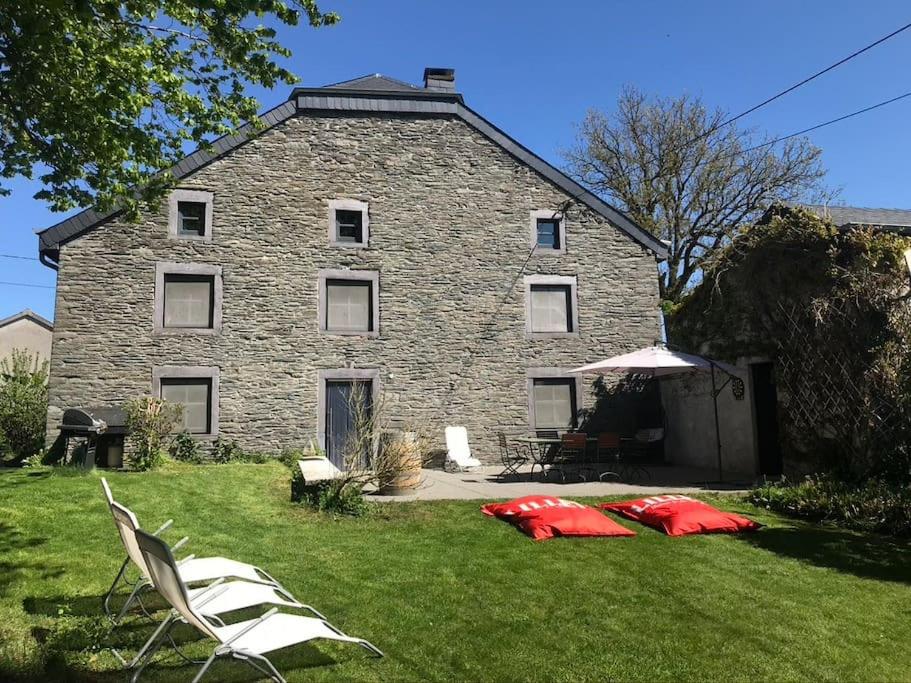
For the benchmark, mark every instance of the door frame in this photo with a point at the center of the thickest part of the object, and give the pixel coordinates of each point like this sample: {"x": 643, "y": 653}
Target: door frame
{"x": 341, "y": 374}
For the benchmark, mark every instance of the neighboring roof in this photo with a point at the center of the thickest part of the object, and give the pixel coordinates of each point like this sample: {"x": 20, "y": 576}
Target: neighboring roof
{"x": 898, "y": 220}
{"x": 378, "y": 94}
{"x": 28, "y": 314}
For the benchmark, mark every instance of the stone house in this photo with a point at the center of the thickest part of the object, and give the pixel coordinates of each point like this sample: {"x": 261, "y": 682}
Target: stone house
{"x": 371, "y": 234}
{"x": 26, "y": 331}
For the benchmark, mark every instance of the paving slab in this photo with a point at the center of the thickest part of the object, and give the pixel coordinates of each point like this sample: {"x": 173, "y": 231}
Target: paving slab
{"x": 482, "y": 483}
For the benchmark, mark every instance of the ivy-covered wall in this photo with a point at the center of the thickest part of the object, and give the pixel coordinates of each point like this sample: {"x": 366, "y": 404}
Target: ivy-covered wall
{"x": 830, "y": 308}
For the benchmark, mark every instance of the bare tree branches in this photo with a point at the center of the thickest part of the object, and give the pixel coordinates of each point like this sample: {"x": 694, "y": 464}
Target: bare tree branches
{"x": 667, "y": 164}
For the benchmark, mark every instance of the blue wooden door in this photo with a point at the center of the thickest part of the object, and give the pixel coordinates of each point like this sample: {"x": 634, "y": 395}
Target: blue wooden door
{"x": 342, "y": 397}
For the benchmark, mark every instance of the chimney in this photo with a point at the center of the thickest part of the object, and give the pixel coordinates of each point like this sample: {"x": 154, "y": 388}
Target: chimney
{"x": 439, "y": 80}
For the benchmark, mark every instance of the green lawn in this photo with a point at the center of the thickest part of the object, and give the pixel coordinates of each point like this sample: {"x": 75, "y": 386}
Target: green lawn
{"x": 449, "y": 594}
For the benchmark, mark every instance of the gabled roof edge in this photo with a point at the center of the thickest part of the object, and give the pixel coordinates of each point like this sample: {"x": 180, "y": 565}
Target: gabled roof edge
{"x": 29, "y": 314}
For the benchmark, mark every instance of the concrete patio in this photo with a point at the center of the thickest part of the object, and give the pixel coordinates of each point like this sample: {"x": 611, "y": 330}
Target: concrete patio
{"x": 482, "y": 483}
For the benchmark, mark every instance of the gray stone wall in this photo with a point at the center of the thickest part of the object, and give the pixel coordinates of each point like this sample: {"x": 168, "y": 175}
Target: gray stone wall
{"x": 449, "y": 235}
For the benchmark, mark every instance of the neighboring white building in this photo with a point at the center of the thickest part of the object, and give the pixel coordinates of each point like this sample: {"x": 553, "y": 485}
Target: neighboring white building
{"x": 26, "y": 330}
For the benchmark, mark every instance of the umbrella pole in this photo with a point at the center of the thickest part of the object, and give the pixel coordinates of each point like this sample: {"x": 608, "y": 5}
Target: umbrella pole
{"x": 717, "y": 428}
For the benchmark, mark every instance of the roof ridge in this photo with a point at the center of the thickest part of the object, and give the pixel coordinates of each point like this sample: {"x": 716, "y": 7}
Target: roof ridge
{"x": 27, "y": 313}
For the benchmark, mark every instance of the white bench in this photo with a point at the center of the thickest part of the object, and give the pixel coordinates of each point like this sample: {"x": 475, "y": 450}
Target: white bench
{"x": 318, "y": 469}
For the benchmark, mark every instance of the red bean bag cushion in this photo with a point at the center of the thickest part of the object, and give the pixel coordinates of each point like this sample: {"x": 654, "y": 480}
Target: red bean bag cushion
{"x": 681, "y": 515}
{"x": 543, "y": 517}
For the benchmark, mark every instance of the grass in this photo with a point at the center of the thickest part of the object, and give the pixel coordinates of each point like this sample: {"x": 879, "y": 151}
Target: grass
{"x": 449, "y": 594}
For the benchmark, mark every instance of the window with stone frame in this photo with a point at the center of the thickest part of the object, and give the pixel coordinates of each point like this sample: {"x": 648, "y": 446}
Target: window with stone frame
{"x": 195, "y": 397}
{"x": 188, "y": 301}
{"x": 349, "y": 305}
{"x": 554, "y": 403}
{"x": 551, "y": 308}
{"x": 191, "y": 219}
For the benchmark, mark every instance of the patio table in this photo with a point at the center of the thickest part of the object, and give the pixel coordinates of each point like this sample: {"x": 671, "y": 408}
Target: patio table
{"x": 539, "y": 447}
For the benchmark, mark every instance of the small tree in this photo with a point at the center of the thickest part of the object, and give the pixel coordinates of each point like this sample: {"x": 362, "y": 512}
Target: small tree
{"x": 23, "y": 405}
{"x": 151, "y": 422}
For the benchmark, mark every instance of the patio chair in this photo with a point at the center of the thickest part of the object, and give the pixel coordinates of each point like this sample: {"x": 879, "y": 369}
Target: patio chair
{"x": 247, "y": 641}
{"x": 511, "y": 458}
{"x": 193, "y": 569}
{"x": 570, "y": 456}
{"x": 635, "y": 452}
{"x": 458, "y": 452}
{"x": 608, "y": 453}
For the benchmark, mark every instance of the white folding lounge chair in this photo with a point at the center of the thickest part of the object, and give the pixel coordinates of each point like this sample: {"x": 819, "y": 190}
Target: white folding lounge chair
{"x": 192, "y": 569}
{"x": 230, "y": 596}
{"x": 457, "y": 450}
{"x": 248, "y": 640}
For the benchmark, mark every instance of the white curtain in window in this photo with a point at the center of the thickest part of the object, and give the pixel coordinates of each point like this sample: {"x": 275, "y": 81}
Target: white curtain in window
{"x": 548, "y": 309}
{"x": 348, "y": 306}
{"x": 187, "y": 303}
{"x": 553, "y": 405}
{"x": 194, "y": 397}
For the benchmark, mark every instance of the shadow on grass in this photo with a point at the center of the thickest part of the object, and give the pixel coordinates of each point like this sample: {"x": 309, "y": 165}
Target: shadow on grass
{"x": 864, "y": 555}
{"x": 12, "y": 571}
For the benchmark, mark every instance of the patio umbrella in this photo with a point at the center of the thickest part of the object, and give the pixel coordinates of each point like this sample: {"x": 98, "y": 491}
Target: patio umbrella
{"x": 659, "y": 361}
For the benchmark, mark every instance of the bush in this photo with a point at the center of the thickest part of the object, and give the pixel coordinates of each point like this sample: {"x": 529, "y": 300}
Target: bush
{"x": 23, "y": 406}
{"x": 150, "y": 422}
{"x": 341, "y": 498}
{"x": 225, "y": 451}
{"x": 872, "y": 506}
{"x": 185, "y": 448}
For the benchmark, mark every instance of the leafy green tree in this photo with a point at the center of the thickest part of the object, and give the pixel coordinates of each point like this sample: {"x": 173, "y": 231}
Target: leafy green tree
{"x": 687, "y": 178}
{"x": 23, "y": 405}
{"x": 97, "y": 96}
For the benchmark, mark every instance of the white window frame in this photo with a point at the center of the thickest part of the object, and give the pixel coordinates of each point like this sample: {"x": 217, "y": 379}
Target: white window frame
{"x": 552, "y": 280}
{"x": 210, "y": 373}
{"x": 548, "y": 214}
{"x": 371, "y": 276}
{"x": 551, "y": 373}
{"x": 200, "y": 269}
{"x": 199, "y": 196}
{"x": 349, "y": 205}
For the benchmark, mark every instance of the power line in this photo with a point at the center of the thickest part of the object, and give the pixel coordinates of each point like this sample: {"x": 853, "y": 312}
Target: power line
{"x": 828, "y": 123}
{"x": 25, "y": 284}
{"x": 24, "y": 258}
{"x": 801, "y": 83}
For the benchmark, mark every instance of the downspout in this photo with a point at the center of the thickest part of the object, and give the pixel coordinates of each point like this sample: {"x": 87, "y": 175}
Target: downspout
{"x": 46, "y": 261}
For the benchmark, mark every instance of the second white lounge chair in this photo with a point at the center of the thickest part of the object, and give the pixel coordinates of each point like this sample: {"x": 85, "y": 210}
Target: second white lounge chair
{"x": 458, "y": 452}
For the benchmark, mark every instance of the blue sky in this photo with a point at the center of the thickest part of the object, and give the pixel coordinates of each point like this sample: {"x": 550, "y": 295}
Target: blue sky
{"x": 534, "y": 68}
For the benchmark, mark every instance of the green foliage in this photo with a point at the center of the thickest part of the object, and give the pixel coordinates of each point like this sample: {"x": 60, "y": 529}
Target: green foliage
{"x": 334, "y": 497}
{"x": 872, "y": 506}
{"x": 98, "y": 95}
{"x": 226, "y": 450}
{"x": 185, "y": 448}
{"x": 150, "y": 422}
{"x": 23, "y": 406}
{"x": 831, "y": 307}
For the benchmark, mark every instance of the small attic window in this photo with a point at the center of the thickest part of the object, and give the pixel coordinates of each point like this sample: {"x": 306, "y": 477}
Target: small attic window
{"x": 190, "y": 215}
{"x": 349, "y": 223}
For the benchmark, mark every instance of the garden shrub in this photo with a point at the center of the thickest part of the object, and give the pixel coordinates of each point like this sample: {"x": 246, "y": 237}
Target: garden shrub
{"x": 871, "y": 506}
{"x": 225, "y": 451}
{"x": 335, "y": 497}
{"x": 23, "y": 406}
{"x": 185, "y": 448}
{"x": 150, "y": 422}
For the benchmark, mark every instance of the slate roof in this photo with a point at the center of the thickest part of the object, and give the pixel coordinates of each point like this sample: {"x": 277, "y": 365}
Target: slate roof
{"x": 376, "y": 83}
{"x": 30, "y": 315}
{"x": 374, "y": 93}
{"x": 845, "y": 216}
